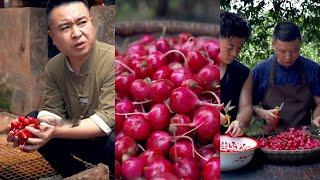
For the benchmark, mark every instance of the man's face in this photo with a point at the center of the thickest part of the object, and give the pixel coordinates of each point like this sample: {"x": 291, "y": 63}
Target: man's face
{"x": 286, "y": 52}
{"x": 71, "y": 30}
{"x": 230, "y": 48}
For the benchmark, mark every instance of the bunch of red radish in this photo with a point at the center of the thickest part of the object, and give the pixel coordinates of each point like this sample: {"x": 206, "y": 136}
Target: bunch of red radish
{"x": 168, "y": 108}
{"x": 17, "y": 126}
{"x": 294, "y": 139}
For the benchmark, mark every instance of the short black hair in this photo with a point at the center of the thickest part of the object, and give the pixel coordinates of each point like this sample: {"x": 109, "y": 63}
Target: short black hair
{"x": 286, "y": 31}
{"x": 51, "y": 4}
{"x": 232, "y": 24}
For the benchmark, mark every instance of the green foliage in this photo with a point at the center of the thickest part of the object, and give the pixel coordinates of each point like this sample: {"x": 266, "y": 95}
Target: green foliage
{"x": 5, "y": 96}
{"x": 263, "y": 15}
{"x": 184, "y": 10}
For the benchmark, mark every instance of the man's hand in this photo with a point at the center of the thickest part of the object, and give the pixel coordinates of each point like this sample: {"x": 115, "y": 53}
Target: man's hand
{"x": 268, "y": 115}
{"x": 42, "y": 136}
{"x": 235, "y": 128}
{"x": 316, "y": 121}
{"x": 223, "y": 119}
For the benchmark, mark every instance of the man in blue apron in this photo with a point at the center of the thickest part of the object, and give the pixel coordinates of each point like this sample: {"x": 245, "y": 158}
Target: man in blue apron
{"x": 289, "y": 78}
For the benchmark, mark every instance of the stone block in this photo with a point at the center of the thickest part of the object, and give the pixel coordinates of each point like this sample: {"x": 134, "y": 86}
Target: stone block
{"x": 104, "y": 22}
{"x": 23, "y": 52}
{"x": 100, "y": 172}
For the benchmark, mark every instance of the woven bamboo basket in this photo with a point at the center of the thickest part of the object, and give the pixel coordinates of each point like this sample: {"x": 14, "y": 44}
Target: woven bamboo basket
{"x": 291, "y": 156}
{"x": 132, "y": 30}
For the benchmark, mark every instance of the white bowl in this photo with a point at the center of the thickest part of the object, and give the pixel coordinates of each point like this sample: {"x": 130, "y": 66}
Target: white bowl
{"x": 236, "y": 152}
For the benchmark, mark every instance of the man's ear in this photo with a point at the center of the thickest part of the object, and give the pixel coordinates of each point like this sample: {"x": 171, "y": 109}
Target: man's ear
{"x": 273, "y": 43}
{"x": 51, "y": 35}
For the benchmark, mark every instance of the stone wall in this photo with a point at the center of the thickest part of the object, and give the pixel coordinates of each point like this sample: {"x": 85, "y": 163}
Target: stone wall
{"x": 104, "y": 22}
{"x": 23, "y": 52}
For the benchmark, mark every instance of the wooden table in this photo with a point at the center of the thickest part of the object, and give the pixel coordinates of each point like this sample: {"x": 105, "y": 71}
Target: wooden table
{"x": 261, "y": 168}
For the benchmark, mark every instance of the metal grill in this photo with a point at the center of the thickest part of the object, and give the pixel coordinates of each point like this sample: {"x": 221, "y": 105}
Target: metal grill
{"x": 16, "y": 165}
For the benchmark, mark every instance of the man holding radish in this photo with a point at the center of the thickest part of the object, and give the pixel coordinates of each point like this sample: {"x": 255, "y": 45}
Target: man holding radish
{"x": 236, "y": 79}
{"x": 289, "y": 78}
{"x": 77, "y": 116}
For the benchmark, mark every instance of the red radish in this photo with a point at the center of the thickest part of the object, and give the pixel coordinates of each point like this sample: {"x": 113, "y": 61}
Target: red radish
{"x": 117, "y": 170}
{"x": 123, "y": 83}
{"x": 193, "y": 85}
{"x": 133, "y": 61}
{"x": 158, "y": 166}
{"x": 162, "y": 73}
{"x": 139, "y": 90}
{"x": 124, "y": 106}
{"x": 24, "y": 121}
{"x": 210, "y": 118}
{"x": 177, "y": 130}
{"x": 119, "y": 135}
{"x": 160, "y": 90}
{"x": 182, "y": 149}
{"x": 207, "y": 152}
{"x": 151, "y": 155}
{"x": 211, "y": 170}
{"x": 158, "y": 116}
{"x": 143, "y": 69}
{"x": 23, "y": 136}
{"x": 122, "y": 66}
{"x": 216, "y": 141}
{"x": 160, "y": 140}
{"x": 132, "y": 168}
{"x": 187, "y": 168}
{"x": 162, "y": 45}
{"x": 175, "y": 65}
{"x": 212, "y": 49}
{"x": 164, "y": 176}
{"x": 137, "y": 127}
{"x": 183, "y": 100}
{"x": 156, "y": 60}
{"x": 218, "y": 60}
{"x": 195, "y": 61}
{"x": 137, "y": 48}
{"x": 183, "y": 37}
{"x": 119, "y": 120}
{"x": 125, "y": 147}
{"x": 209, "y": 77}
{"x": 180, "y": 74}
{"x": 175, "y": 56}
{"x": 188, "y": 45}
{"x": 15, "y": 124}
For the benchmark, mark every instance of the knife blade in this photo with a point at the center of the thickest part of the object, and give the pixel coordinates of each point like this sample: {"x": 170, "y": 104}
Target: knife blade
{"x": 281, "y": 106}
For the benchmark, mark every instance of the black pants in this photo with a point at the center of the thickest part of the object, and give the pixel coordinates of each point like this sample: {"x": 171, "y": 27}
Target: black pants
{"x": 60, "y": 153}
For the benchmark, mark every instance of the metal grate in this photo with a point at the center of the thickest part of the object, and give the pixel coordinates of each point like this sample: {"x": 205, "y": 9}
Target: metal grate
{"x": 16, "y": 165}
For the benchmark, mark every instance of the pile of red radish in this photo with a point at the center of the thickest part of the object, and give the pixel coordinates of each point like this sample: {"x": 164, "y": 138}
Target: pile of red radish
{"x": 168, "y": 108}
{"x": 17, "y": 126}
{"x": 294, "y": 139}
